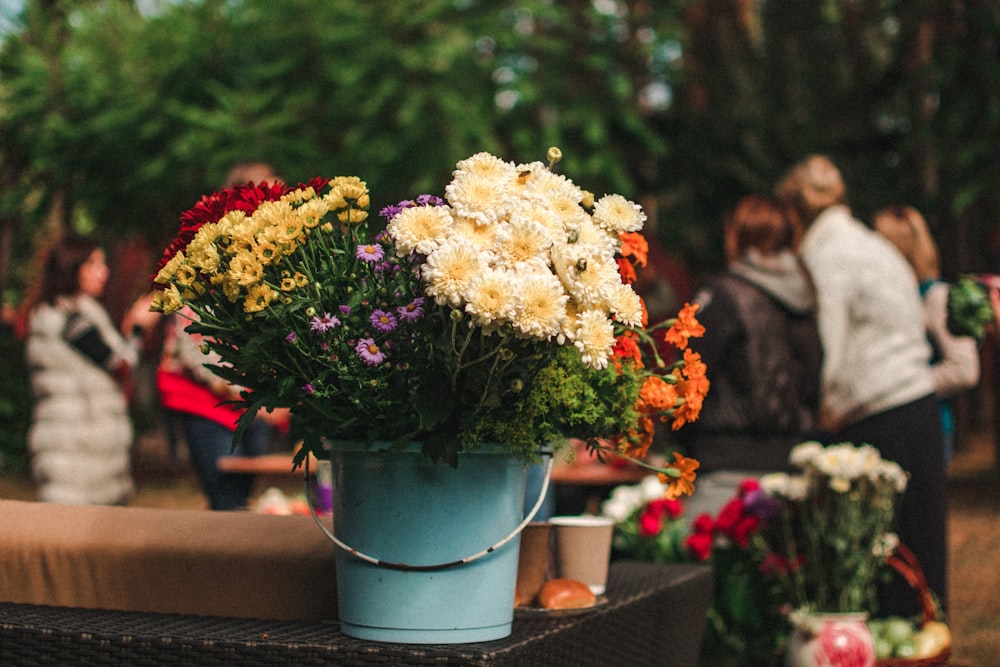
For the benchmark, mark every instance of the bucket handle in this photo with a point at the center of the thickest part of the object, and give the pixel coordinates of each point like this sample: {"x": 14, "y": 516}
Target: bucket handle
{"x": 438, "y": 566}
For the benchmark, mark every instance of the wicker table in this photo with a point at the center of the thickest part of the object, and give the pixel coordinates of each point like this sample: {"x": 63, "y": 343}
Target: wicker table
{"x": 655, "y": 615}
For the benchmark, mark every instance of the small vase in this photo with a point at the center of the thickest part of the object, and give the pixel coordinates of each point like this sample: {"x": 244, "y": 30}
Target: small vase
{"x": 831, "y": 640}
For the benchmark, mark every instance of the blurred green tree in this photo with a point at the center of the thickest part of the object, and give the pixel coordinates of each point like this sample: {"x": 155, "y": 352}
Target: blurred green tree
{"x": 116, "y": 115}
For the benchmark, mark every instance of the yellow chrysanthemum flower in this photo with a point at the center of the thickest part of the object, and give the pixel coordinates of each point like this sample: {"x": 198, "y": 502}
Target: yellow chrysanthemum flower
{"x": 245, "y": 269}
{"x": 167, "y": 300}
{"x": 258, "y": 298}
{"x": 169, "y": 270}
{"x": 186, "y": 275}
{"x": 352, "y": 216}
{"x": 311, "y": 212}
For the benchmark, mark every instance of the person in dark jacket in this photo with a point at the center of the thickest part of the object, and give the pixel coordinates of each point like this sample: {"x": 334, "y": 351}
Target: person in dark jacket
{"x": 763, "y": 351}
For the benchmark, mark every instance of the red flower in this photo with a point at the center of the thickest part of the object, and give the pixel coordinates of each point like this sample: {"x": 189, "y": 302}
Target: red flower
{"x": 744, "y": 529}
{"x": 671, "y": 508}
{"x": 703, "y": 524}
{"x": 626, "y": 347}
{"x": 775, "y": 564}
{"x": 650, "y": 523}
{"x": 699, "y": 545}
{"x": 211, "y": 208}
{"x": 748, "y": 485}
{"x": 729, "y": 517}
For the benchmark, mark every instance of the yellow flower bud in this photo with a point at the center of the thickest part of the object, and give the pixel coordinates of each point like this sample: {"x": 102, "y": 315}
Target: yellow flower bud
{"x": 553, "y": 155}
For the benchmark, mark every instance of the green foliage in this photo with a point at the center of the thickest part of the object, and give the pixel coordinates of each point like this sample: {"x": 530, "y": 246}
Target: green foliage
{"x": 120, "y": 120}
{"x": 15, "y": 405}
{"x": 566, "y": 398}
{"x": 969, "y": 309}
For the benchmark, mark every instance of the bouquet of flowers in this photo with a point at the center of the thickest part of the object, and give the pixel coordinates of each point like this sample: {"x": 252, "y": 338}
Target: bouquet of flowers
{"x": 832, "y": 534}
{"x": 648, "y": 525}
{"x": 746, "y": 621}
{"x": 969, "y": 308}
{"x": 502, "y": 312}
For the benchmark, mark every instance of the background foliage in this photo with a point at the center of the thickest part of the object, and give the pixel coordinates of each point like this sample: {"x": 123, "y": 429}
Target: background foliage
{"x": 116, "y": 115}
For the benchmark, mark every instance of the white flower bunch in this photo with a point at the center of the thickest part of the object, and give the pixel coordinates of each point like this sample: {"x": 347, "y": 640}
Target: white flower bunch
{"x": 520, "y": 246}
{"x": 844, "y": 464}
{"x": 835, "y": 523}
{"x": 625, "y": 499}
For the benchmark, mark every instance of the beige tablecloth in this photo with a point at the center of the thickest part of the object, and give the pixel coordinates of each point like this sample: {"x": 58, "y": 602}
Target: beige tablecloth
{"x": 178, "y": 561}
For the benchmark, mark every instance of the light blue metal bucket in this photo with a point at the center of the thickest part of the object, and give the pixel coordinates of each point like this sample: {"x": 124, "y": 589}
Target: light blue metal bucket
{"x": 427, "y": 553}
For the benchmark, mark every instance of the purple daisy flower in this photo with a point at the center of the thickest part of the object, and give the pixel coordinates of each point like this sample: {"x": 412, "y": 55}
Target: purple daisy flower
{"x": 370, "y": 252}
{"x": 390, "y": 212}
{"x": 322, "y": 324}
{"x": 345, "y": 310}
{"x": 383, "y": 321}
{"x": 429, "y": 200}
{"x": 369, "y": 352}
{"x": 412, "y": 311}
{"x": 761, "y": 505}
{"x": 291, "y": 337}
{"x": 308, "y": 388}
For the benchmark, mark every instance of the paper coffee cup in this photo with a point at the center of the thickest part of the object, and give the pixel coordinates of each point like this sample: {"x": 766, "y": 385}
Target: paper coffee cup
{"x": 583, "y": 549}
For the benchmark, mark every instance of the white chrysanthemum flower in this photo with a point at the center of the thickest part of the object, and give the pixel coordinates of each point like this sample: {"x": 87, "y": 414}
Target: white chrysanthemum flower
{"x": 885, "y": 545}
{"x": 652, "y": 488}
{"x": 615, "y": 213}
{"x": 625, "y": 304}
{"x": 522, "y": 240}
{"x": 541, "y": 305}
{"x": 839, "y": 484}
{"x": 483, "y": 199}
{"x": 590, "y": 234}
{"x": 798, "y": 489}
{"x": 623, "y": 502}
{"x": 420, "y": 229}
{"x": 775, "y": 484}
{"x": 595, "y": 338}
{"x": 487, "y": 166}
{"x": 449, "y": 271}
{"x": 894, "y": 474}
{"x": 803, "y": 453}
{"x": 546, "y": 185}
{"x": 490, "y": 298}
{"x": 586, "y": 274}
{"x": 483, "y": 237}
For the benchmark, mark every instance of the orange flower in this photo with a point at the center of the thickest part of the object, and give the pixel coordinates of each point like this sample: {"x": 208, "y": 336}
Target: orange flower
{"x": 683, "y": 484}
{"x": 637, "y": 444}
{"x": 686, "y": 326}
{"x": 626, "y": 270}
{"x": 692, "y": 386}
{"x": 634, "y": 245}
{"x": 656, "y": 395}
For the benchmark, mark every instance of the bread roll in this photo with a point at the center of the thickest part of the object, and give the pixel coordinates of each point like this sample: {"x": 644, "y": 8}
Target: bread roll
{"x": 566, "y": 594}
